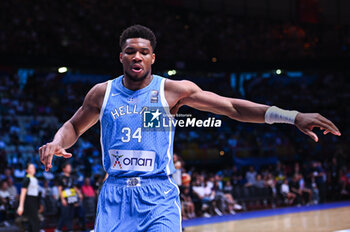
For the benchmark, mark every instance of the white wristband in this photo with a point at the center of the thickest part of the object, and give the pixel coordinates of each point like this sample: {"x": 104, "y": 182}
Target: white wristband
{"x": 277, "y": 115}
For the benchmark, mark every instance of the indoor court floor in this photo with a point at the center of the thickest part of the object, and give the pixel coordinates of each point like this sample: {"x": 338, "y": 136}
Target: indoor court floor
{"x": 325, "y": 217}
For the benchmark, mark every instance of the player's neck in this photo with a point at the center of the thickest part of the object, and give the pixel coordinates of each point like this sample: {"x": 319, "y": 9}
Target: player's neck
{"x": 136, "y": 85}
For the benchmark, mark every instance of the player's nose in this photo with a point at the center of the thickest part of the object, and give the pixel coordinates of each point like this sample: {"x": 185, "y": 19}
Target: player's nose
{"x": 137, "y": 56}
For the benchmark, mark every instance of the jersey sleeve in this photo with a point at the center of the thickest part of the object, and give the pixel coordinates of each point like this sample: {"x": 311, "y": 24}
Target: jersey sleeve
{"x": 25, "y": 182}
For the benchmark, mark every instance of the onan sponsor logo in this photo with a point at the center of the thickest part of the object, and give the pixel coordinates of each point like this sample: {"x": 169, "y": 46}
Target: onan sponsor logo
{"x": 132, "y": 160}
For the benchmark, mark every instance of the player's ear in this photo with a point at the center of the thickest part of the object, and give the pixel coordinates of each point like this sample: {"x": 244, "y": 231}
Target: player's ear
{"x": 153, "y": 58}
{"x": 120, "y": 57}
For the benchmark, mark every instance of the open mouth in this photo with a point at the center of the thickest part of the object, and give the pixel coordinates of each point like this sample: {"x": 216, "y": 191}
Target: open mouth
{"x": 136, "y": 68}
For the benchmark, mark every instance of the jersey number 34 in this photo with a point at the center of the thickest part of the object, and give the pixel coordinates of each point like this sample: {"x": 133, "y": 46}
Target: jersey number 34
{"x": 126, "y": 131}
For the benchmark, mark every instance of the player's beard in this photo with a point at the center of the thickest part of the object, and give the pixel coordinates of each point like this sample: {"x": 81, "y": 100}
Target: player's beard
{"x": 137, "y": 79}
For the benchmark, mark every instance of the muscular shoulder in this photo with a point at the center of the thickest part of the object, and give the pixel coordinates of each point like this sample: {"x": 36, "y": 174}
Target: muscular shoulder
{"x": 96, "y": 95}
{"x": 177, "y": 90}
{"x": 181, "y": 87}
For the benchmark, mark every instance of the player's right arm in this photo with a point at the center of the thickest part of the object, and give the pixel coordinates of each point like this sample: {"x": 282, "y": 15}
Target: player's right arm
{"x": 179, "y": 93}
{"x": 85, "y": 117}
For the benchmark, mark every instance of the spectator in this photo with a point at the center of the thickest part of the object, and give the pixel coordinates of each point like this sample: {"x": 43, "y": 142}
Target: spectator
{"x": 98, "y": 182}
{"x": 236, "y": 176}
{"x": 231, "y": 203}
{"x": 207, "y": 195}
{"x": 287, "y": 194}
{"x": 68, "y": 193}
{"x": 80, "y": 209}
{"x": 344, "y": 182}
{"x": 12, "y": 189}
{"x": 46, "y": 190}
{"x": 188, "y": 210}
{"x": 4, "y": 193}
{"x": 7, "y": 174}
{"x": 87, "y": 189}
{"x": 279, "y": 174}
{"x": 333, "y": 179}
{"x": 315, "y": 193}
{"x": 259, "y": 183}
{"x": 271, "y": 183}
{"x": 320, "y": 178}
{"x": 220, "y": 198}
{"x": 295, "y": 188}
{"x": 89, "y": 198}
{"x": 305, "y": 191}
{"x": 250, "y": 177}
{"x": 54, "y": 189}
{"x": 49, "y": 202}
{"x": 19, "y": 173}
{"x": 178, "y": 169}
{"x": 4, "y": 202}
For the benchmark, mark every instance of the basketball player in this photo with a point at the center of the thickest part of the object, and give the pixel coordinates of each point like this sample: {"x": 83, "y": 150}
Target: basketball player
{"x": 139, "y": 194}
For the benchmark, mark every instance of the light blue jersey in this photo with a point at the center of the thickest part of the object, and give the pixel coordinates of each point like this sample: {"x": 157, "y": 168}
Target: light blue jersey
{"x": 130, "y": 146}
{"x": 137, "y": 148}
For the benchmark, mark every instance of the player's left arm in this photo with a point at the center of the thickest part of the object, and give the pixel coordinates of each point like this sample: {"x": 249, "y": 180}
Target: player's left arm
{"x": 179, "y": 93}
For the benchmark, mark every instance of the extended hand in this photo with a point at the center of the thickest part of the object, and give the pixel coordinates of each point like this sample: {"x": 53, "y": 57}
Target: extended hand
{"x": 20, "y": 211}
{"x": 47, "y": 152}
{"x": 306, "y": 123}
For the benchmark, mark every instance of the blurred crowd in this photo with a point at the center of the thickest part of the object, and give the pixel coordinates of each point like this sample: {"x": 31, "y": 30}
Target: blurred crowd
{"x": 206, "y": 193}
{"x": 90, "y": 29}
{"x": 304, "y": 172}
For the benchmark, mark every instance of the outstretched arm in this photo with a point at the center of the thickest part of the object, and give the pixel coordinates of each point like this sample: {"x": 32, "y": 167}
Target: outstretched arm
{"x": 180, "y": 93}
{"x": 85, "y": 117}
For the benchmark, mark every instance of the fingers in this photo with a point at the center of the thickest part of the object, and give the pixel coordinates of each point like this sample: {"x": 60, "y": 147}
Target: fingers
{"x": 47, "y": 151}
{"x": 67, "y": 155}
{"x": 44, "y": 153}
{"x": 41, "y": 154}
{"x": 62, "y": 152}
{"x": 311, "y": 134}
{"x": 48, "y": 161}
{"x": 48, "y": 165}
{"x": 328, "y": 125}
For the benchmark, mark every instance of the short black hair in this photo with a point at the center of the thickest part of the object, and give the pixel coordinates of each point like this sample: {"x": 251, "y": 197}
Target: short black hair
{"x": 28, "y": 164}
{"x": 138, "y": 31}
{"x": 65, "y": 164}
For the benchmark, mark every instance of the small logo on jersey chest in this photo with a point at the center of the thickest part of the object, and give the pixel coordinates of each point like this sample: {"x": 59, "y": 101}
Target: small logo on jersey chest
{"x": 132, "y": 100}
{"x": 154, "y": 96}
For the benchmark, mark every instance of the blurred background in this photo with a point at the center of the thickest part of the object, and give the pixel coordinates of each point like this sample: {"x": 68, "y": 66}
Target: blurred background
{"x": 291, "y": 53}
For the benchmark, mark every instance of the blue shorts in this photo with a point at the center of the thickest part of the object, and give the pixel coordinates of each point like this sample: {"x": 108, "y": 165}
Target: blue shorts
{"x": 139, "y": 204}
